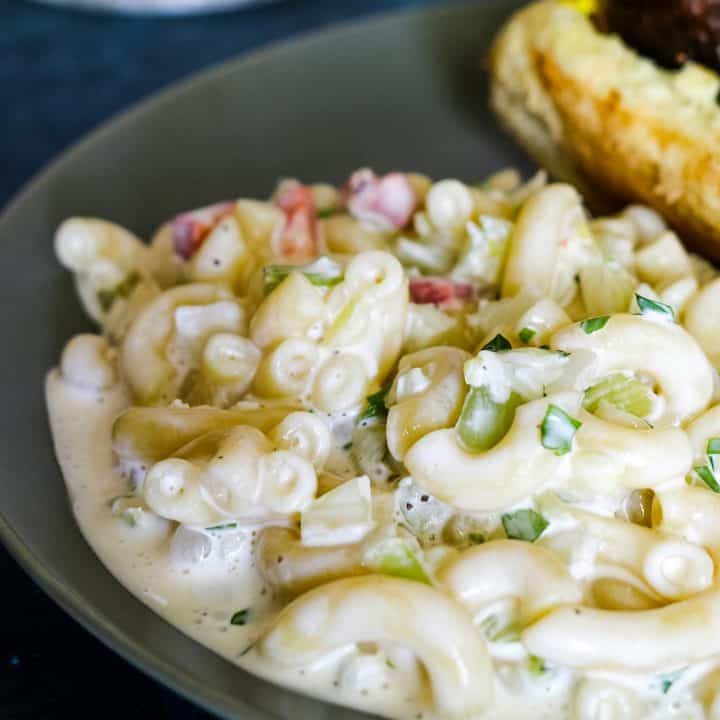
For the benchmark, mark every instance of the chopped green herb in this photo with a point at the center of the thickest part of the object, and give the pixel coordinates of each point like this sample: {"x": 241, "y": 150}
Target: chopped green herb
{"x": 240, "y": 617}
{"x": 668, "y": 680}
{"x": 247, "y": 650}
{"x": 347, "y": 445}
{"x": 106, "y": 298}
{"x": 322, "y": 272}
{"x": 713, "y": 446}
{"x": 536, "y": 665}
{"x": 526, "y": 334}
{"x": 592, "y": 325}
{"x": 375, "y": 408}
{"x": 526, "y": 525}
{"x": 226, "y": 526}
{"x": 390, "y": 663}
{"x": 708, "y": 477}
{"x": 327, "y": 212}
{"x": 498, "y": 344}
{"x": 476, "y": 538}
{"x": 557, "y": 430}
{"x": 654, "y": 307}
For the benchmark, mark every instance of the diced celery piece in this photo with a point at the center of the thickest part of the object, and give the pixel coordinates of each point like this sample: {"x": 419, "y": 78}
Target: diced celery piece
{"x": 526, "y": 525}
{"x": 395, "y": 556}
{"x": 484, "y": 422}
{"x": 624, "y": 392}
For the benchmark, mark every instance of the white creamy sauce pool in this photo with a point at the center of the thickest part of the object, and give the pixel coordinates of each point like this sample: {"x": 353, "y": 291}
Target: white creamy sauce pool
{"x": 199, "y": 586}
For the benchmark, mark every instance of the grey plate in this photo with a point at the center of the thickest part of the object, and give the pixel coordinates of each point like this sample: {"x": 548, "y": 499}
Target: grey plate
{"x": 401, "y": 91}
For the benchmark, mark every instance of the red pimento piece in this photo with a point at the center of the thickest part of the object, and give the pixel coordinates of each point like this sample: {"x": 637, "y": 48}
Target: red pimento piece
{"x": 190, "y": 229}
{"x": 446, "y": 294}
{"x": 388, "y": 201}
{"x": 298, "y": 240}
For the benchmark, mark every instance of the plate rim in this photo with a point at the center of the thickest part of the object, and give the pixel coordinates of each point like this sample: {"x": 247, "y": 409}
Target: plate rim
{"x": 60, "y": 592}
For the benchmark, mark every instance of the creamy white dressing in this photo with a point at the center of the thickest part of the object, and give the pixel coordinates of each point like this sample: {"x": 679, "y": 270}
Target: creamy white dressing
{"x": 198, "y": 580}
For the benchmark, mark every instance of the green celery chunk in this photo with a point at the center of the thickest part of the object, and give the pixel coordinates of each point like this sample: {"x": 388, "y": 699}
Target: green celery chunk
{"x": 625, "y": 393}
{"x": 484, "y": 422}
{"x": 395, "y": 557}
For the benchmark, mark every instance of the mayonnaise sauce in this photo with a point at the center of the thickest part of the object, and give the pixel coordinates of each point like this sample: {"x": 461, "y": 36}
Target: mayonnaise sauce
{"x": 198, "y": 581}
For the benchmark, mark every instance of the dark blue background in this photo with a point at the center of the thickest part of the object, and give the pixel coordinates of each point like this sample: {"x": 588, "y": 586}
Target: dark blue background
{"x": 61, "y": 74}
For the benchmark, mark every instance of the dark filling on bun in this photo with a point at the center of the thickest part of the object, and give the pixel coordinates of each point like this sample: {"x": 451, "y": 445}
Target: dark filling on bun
{"x": 671, "y": 32}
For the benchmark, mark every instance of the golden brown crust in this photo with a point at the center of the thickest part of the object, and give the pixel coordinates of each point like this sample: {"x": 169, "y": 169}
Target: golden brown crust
{"x": 610, "y": 142}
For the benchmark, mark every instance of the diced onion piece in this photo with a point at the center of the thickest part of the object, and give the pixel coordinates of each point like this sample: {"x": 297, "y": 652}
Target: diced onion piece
{"x": 341, "y": 516}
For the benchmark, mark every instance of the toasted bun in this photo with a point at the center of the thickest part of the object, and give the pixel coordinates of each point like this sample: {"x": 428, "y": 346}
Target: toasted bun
{"x": 599, "y": 115}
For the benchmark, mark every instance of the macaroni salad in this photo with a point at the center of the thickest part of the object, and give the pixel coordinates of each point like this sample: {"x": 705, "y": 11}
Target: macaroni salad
{"x": 433, "y": 450}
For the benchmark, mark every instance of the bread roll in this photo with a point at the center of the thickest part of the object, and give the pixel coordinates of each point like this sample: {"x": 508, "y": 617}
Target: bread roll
{"x": 599, "y": 115}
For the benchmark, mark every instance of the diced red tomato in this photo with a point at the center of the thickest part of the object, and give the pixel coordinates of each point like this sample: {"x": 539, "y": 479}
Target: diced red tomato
{"x": 298, "y": 239}
{"x": 388, "y": 201}
{"x": 191, "y": 228}
{"x": 446, "y": 294}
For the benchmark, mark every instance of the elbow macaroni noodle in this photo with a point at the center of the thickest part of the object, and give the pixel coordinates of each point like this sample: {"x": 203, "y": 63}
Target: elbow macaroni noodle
{"x": 545, "y": 382}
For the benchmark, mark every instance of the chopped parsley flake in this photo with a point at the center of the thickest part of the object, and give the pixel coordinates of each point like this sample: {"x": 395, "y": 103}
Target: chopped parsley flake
{"x": 498, "y": 344}
{"x": 557, "y": 430}
{"x": 526, "y": 525}
{"x": 240, "y": 617}
{"x": 654, "y": 307}
{"x": 592, "y": 325}
{"x": 526, "y": 334}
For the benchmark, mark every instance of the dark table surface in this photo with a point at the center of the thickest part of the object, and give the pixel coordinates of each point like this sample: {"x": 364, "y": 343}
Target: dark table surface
{"x": 61, "y": 74}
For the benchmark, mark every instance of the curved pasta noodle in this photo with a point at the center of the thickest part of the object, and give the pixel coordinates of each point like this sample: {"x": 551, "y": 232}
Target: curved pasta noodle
{"x": 80, "y": 242}
{"x": 492, "y": 480}
{"x": 545, "y": 221}
{"x": 636, "y": 457}
{"x": 665, "y": 351}
{"x": 144, "y": 352}
{"x": 431, "y": 402}
{"x": 690, "y": 512}
{"x": 287, "y": 370}
{"x": 511, "y": 569}
{"x": 700, "y": 430}
{"x": 109, "y": 264}
{"x": 673, "y": 568}
{"x": 368, "y": 311}
{"x": 223, "y": 256}
{"x": 172, "y": 490}
{"x": 597, "y": 699}
{"x": 702, "y": 319}
{"x": 86, "y": 362}
{"x": 519, "y": 464}
{"x": 304, "y": 567}
{"x": 150, "y": 434}
{"x": 306, "y": 435}
{"x": 642, "y": 641}
{"x": 288, "y": 311}
{"x": 381, "y": 609}
{"x": 340, "y": 383}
